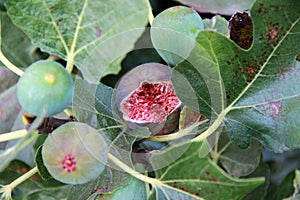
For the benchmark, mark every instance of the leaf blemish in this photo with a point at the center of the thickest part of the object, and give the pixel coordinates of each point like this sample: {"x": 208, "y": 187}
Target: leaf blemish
{"x": 98, "y": 32}
{"x": 275, "y": 107}
{"x": 272, "y": 34}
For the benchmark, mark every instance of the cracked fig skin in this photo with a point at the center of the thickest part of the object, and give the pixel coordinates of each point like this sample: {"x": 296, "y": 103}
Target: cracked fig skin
{"x": 146, "y": 97}
{"x": 45, "y": 85}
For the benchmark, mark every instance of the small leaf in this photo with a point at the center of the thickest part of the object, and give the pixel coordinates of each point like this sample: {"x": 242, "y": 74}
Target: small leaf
{"x": 38, "y": 159}
{"x": 216, "y": 23}
{"x": 83, "y": 32}
{"x": 192, "y": 177}
{"x": 296, "y": 194}
{"x": 241, "y": 162}
{"x": 218, "y": 6}
{"x": 135, "y": 190}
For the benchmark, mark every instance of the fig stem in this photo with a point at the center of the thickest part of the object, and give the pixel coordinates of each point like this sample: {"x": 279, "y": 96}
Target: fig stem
{"x": 70, "y": 65}
{"x": 13, "y": 135}
{"x": 150, "y": 14}
{"x": 132, "y": 172}
{"x": 217, "y": 123}
{"x": 9, "y": 65}
{"x": 177, "y": 135}
{"x": 7, "y": 189}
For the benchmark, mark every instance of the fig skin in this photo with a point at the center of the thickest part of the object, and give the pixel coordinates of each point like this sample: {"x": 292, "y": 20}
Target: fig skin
{"x": 45, "y": 88}
{"x": 174, "y": 31}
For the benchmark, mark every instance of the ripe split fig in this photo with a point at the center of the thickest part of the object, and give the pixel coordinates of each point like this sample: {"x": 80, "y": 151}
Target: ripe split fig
{"x": 45, "y": 87}
{"x": 146, "y": 97}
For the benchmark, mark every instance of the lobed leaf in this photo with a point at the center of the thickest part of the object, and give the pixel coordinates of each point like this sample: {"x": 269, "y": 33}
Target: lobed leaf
{"x": 253, "y": 91}
{"x": 83, "y": 32}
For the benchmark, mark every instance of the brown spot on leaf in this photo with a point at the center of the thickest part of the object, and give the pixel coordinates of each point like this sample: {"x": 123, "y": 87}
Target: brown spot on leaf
{"x": 214, "y": 179}
{"x": 262, "y": 9}
{"x": 241, "y": 29}
{"x": 298, "y": 57}
{"x": 272, "y": 34}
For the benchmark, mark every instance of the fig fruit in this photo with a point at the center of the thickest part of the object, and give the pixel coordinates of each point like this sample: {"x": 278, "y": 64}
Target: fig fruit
{"x": 146, "y": 97}
{"x": 45, "y": 87}
{"x": 75, "y": 153}
{"x": 174, "y": 31}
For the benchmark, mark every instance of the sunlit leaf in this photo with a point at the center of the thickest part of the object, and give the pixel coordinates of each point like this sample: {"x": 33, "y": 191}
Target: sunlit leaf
{"x": 255, "y": 92}
{"x": 83, "y": 32}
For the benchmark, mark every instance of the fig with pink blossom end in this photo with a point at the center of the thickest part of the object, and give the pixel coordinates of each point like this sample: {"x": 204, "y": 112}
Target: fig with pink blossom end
{"x": 75, "y": 153}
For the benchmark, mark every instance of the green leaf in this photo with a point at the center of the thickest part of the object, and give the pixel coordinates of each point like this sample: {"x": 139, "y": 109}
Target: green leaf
{"x": 216, "y": 23}
{"x": 93, "y": 104}
{"x": 83, "y": 32}
{"x": 255, "y": 92}
{"x": 260, "y": 192}
{"x": 283, "y": 190}
{"x": 42, "y": 170}
{"x": 54, "y": 193}
{"x": 14, "y": 171}
{"x": 218, "y": 6}
{"x": 135, "y": 190}
{"x": 16, "y": 46}
{"x": 192, "y": 177}
{"x": 110, "y": 180}
{"x": 296, "y": 194}
{"x": 240, "y": 162}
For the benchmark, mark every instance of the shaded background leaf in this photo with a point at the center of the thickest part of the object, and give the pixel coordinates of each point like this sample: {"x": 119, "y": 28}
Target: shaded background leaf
{"x": 16, "y": 46}
{"x": 218, "y": 6}
{"x": 239, "y": 162}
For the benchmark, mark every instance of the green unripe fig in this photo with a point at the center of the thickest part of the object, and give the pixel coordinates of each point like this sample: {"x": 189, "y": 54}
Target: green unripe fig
{"x": 174, "y": 31}
{"x": 45, "y": 87}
